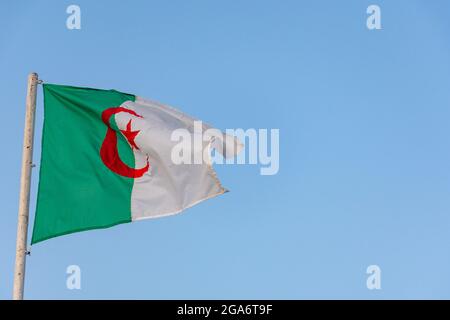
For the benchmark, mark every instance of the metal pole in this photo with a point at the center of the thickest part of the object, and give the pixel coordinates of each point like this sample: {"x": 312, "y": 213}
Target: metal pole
{"x": 25, "y": 179}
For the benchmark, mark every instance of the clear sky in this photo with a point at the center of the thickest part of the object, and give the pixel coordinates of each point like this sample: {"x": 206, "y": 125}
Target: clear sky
{"x": 364, "y": 145}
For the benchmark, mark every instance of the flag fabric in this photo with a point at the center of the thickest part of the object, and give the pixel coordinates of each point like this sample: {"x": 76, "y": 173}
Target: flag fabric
{"x": 106, "y": 160}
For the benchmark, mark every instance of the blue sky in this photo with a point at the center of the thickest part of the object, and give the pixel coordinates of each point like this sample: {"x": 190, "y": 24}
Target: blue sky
{"x": 364, "y": 146}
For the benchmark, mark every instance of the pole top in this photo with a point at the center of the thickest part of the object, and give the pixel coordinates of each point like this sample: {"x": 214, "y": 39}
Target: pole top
{"x": 33, "y": 75}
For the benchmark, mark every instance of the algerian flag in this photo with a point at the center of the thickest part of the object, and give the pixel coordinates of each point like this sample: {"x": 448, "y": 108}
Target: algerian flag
{"x": 107, "y": 158}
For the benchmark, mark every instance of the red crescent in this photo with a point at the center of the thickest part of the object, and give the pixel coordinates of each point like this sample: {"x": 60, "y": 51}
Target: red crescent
{"x": 110, "y": 154}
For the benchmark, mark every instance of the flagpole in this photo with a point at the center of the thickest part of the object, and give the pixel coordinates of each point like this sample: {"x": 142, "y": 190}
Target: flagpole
{"x": 25, "y": 179}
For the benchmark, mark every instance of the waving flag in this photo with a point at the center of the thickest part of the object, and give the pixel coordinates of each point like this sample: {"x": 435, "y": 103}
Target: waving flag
{"x": 106, "y": 160}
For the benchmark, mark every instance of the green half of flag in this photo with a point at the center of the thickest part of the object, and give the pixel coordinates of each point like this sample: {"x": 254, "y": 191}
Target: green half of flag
{"x": 76, "y": 190}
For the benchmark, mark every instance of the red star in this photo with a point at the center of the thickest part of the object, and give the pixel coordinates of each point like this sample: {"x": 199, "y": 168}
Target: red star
{"x": 130, "y": 135}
